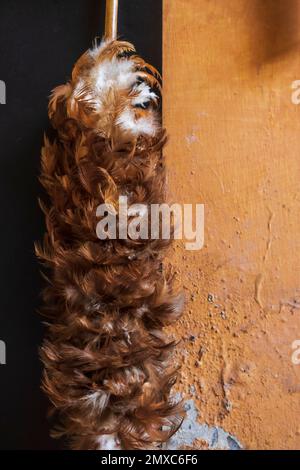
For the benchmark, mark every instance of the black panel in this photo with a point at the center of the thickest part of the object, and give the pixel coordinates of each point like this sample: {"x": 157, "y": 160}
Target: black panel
{"x": 39, "y": 43}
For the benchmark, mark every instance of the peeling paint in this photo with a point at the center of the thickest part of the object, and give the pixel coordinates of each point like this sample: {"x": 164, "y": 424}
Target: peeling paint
{"x": 294, "y": 304}
{"x": 269, "y": 241}
{"x": 191, "y": 431}
{"x": 258, "y": 288}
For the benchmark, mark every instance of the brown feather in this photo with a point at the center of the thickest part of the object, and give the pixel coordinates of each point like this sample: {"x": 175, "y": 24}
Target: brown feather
{"x": 108, "y": 364}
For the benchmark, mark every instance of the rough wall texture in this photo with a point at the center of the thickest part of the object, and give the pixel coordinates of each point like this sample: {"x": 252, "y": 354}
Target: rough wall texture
{"x": 235, "y": 146}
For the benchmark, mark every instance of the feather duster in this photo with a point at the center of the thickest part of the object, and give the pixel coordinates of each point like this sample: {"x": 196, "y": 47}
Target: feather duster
{"x": 108, "y": 368}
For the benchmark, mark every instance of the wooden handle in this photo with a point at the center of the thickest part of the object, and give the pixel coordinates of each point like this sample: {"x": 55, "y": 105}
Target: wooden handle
{"x": 111, "y": 19}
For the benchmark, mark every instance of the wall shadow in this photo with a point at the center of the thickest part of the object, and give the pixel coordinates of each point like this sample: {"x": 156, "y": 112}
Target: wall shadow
{"x": 275, "y": 28}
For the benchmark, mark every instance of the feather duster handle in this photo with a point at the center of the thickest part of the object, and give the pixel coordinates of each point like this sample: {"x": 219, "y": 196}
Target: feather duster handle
{"x": 108, "y": 364}
{"x": 111, "y": 19}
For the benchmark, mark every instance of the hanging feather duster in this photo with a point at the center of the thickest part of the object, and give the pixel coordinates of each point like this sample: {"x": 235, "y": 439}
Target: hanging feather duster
{"x": 108, "y": 364}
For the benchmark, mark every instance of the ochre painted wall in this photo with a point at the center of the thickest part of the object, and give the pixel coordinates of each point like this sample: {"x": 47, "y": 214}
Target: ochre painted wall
{"x": 235, "y": 146}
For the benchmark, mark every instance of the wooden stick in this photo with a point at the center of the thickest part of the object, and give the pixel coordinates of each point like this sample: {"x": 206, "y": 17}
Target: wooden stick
{"x": 111, "y": 19}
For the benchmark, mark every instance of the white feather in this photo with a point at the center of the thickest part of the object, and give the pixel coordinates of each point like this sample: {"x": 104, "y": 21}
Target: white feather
{"x": 145, "y": 94}
{"x": 98, "y": 48}
{"x": 98, "y": 400}
{"x": 108, "y": 442}
{"x": 143, "y": 126}
{"x": 118, "y": 74}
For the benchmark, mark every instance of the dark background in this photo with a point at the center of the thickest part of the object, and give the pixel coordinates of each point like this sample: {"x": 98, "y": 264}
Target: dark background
{"x": 39, "y": 43}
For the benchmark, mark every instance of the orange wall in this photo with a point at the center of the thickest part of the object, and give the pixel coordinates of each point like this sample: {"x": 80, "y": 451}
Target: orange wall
{"x": 235, "y": 146}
